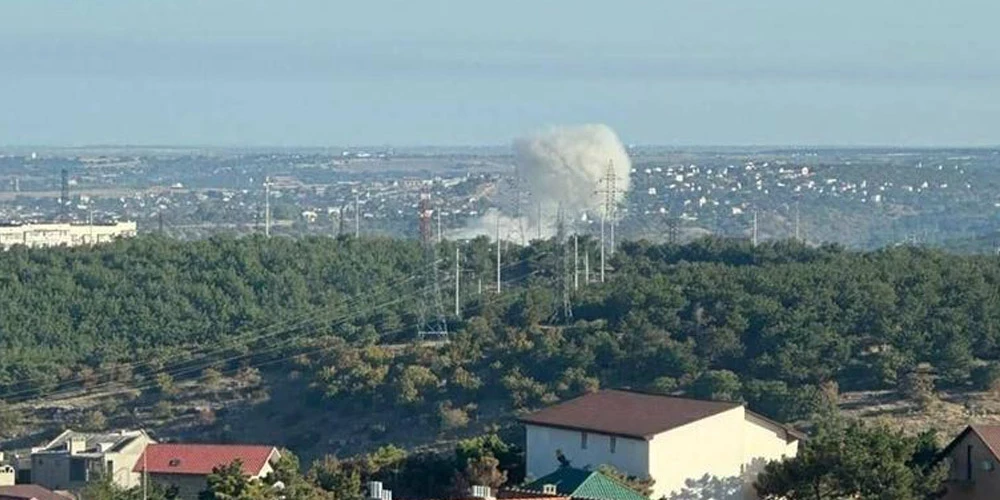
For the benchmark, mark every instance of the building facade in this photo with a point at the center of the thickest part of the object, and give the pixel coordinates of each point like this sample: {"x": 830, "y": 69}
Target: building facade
{"x": 686, "y": 446}
{"x": 73, "y": 459}
{"x": 63, "y": 234}
{"x": 972, "y": 464}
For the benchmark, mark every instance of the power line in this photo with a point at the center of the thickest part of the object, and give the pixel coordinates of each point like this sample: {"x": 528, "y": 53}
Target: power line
{"x": 200, "y": 364}
{"x": 290, "y": 324}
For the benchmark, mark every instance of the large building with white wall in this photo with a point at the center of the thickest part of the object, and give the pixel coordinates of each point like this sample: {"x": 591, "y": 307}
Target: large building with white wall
{"x": 686, "y": 446}
{"x": 63, "y": 234}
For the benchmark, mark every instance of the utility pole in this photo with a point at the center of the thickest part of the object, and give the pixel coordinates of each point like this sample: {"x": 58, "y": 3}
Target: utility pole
{"x": 498, "y": 254}
{"x": 753, "y": 237}
{"x": 576, "y": 262}
{"x": 586, "y": 267}
{"x": 458, "y": 275}
{"x": 611, "y": 200}
{"x": 602, "y": 247}
{"x": 610, "y": 192}
{"x": 357, "y": 215}
{"x": 159, "y": 216}
{"x": 267, "y": 207}
{"x": 439, "y": 225}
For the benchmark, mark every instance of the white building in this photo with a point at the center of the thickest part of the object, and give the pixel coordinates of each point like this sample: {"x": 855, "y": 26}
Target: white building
{"x": 67, "y": 234}
{"x": 688, "y": 447}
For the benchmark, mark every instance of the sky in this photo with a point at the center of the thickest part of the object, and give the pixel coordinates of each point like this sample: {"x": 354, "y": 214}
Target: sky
{"x": 469, "y": 72}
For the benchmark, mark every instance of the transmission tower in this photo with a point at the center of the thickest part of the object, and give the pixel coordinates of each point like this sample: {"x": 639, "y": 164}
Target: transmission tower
{"x": 673, "y": 230}
{"x": 432, "y": 322}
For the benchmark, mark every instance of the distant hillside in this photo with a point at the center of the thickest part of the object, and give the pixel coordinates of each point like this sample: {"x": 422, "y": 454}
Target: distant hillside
{"x": 208, "y": 339}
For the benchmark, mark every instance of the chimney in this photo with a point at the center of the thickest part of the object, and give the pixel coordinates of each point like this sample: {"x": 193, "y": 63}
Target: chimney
{"x": 482, "y": 492}
{"x": 549, "y": 489}
{"x": 76, "y": 444}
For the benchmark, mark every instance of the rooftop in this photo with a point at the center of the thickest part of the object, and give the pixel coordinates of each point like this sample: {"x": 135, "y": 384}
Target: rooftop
{"x": 30, "y": 492}
{"x": 583, "y": 484}
{"x": 200, "y": 459}
{"x": 96, "y": 442}
{"x": 626, "y": 413}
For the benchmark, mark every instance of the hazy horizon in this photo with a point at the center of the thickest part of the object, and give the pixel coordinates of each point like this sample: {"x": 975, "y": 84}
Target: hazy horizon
{"x": 309, "y": 73}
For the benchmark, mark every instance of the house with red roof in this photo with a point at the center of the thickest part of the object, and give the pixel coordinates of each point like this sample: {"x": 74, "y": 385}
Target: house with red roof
{"x": 972, "y": 459}
{"x": 701, "y": 449}
{"x": 187, "y": 466}
{"x": 31, "y": 492}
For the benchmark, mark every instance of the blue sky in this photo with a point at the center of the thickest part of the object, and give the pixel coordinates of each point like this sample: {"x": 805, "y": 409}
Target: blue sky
{"x": 418, "y": 72}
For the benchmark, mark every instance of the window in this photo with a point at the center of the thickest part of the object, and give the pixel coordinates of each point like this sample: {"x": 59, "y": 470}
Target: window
{"x": 110, "y": 467}
{"x": 614, "y": 443}
{"x": 583, "y": 440}
{"x": 968, "y": 463}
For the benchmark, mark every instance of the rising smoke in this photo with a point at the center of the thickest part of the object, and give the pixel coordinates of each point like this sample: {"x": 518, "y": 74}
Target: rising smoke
{"x": 561, "y": 167}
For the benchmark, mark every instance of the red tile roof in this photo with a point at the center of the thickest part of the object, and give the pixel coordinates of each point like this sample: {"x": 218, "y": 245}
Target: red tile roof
{"x": 200, "y": 459}
{"x": 990, "y": 434}
{"x": 29, "y": 492}
{"x": 626, "y": 413}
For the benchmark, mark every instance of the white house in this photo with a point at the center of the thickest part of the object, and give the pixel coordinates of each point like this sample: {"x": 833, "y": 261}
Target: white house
{"x": 690, "y": 448}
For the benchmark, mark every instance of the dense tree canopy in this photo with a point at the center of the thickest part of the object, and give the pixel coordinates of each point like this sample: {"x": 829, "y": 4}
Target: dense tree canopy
{"x": 854, "y": 460}
{"x": 772, "y": 325}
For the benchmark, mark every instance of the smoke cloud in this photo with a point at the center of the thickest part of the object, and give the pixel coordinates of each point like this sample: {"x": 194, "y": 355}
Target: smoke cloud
{"x": 560, "y": 167}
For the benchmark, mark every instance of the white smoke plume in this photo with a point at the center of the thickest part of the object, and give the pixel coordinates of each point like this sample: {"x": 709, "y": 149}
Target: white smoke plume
{"x": 561, "y": 167}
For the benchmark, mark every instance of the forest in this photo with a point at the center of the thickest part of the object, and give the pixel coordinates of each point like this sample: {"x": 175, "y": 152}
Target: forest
{"x": 781, "y": 326}
{"x": 775, "y": 325}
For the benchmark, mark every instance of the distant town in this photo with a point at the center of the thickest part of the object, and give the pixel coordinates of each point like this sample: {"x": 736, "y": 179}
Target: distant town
{"x": 857, "y": 198}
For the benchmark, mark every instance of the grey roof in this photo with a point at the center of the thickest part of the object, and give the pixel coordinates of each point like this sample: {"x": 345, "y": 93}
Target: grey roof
{"x": 96, "y": 442}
